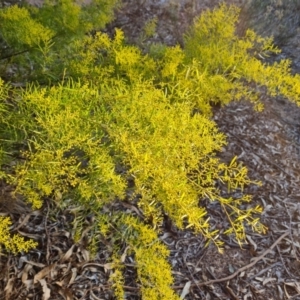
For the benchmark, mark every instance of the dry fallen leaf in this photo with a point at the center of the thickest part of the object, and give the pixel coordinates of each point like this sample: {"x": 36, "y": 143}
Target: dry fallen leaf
{"x": 85, "y": 254}
{"x": 267, "y": 280}
{"x": 46, "y": 290}
{"x": 295, "y": 285}
{"x": 66, "y": 293}
{"x": 44, "y": 272}
{"x": 123, "y": 257}
{"x": 185, "y": 290}
{"x": 108, "y": 266}
{"x": 26, "y": 269}
{"x": 251, "y": 242}
{"x": 74, "y": 274}
{"x": 9, "y": 287}
{"x": 68, "y": 254}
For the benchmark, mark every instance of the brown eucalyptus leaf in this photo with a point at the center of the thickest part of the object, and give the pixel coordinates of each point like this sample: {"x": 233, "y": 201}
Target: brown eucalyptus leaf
{"x": 68, "y": 254}
{"x": 267, "y": 280}
{"x": 43, "y": 273}
{"x": 29, "y": 235}
{"x": 73, "y": 277}
{"x": 61, "y": 233}
{"x": 33, "y": 263}
{"x": 26, "y": 269}
{"x": 286, "y": 293}
{"x": 9, "y": 287}
{"x": 123, "y": 257}
{"x": 85, "y": 254}
{"x": 66, "y": 293}
{"x": 60, "y": 283}
{"x": 251, "y": 242}
{"x": 108, "y": 266}
{"x": 295, "y": 285}
{"x": 261, "y": 279}
{"x": 46, "y": 290}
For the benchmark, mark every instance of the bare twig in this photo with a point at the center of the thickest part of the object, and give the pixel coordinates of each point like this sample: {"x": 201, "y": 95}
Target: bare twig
{"x": 199, "y": 283}
{"x": 226, "y": 288}
{"x": 264, "y": 270}
{"x": 294, "y": 297}
{"x": 193, "y": 278}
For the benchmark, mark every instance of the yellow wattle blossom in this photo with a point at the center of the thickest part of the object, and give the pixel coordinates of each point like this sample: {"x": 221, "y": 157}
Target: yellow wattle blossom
{"x": 13, "y": 242}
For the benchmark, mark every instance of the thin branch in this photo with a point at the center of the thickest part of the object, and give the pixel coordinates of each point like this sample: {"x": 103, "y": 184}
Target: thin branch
{"x": 209, "y": 282}
{"x": 15, "y": 54}
{"x": 264, "y": 270}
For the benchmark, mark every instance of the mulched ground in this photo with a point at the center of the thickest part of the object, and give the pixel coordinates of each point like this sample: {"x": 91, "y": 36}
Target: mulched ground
{"x": 268, "y": 143}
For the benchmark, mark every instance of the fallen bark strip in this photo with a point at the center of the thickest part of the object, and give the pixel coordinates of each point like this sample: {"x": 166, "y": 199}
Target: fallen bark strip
{"x": 237, "y": 272}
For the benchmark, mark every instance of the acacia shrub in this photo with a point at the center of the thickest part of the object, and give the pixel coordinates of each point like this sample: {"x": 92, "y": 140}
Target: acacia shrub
{"x": 239, "y": 61}
{"x": 120, "y": 114}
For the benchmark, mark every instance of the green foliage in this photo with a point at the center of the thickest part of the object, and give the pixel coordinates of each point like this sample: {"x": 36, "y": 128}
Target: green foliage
{"x": 71, "y": 19}
{"x": 38, "y": 41}
{"x": 7, "y": 127}
{"x": 118, "y": 115}
{"x": 20, "y": 30}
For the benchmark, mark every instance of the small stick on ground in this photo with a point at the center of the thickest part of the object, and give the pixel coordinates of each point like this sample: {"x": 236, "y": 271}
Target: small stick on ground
{"x": 199, "y": 283}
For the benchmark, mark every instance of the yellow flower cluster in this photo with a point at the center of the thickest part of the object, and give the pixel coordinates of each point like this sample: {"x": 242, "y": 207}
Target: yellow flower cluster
{"x": 14, "y": 243}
